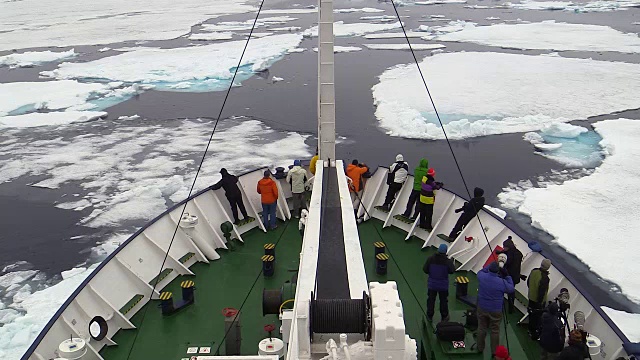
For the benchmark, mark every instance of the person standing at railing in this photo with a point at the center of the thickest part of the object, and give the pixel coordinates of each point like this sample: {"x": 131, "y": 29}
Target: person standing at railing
{"x": 428, "y": 199}
{"x": 297, "y": 177}
{"x": 438, "y": 267}
{"x": 354, "y": 171}
{"x": 312, "y": 164}
{"x": 398, "y": 172}
{"x": 513, "y": 266}
{"x": 268, "y": 191}
{"x": 232, "y": 192}
{"x": 492, "y": 285}
{"x": 469, "y": 210}
{"x": 418, "y": 174}
{"x": 538, "y": 283}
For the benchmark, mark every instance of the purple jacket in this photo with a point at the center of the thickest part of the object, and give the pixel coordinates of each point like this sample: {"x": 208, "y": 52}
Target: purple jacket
{"x": 438, "y": 267}
{"x": 491, "y": 290}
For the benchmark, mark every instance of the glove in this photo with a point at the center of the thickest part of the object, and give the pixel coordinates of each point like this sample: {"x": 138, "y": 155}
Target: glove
{"x": 458, "y": 210}
{"x": 523, "y": 277}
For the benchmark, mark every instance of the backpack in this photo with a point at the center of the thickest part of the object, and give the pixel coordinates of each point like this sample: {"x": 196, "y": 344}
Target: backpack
{"x": 450, "y": 331}
{"x": 392, "y": 175}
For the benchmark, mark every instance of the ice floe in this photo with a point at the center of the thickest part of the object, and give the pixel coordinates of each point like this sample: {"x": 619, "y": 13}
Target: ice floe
{"x": 50, "y": 118}
{"x": 68, "y": 22}
{"x": 579, "y": 213}
{"x": 571, "y": 145}
{"x": 499, "y": 212}
{"x": 591, "y": 6}
{"x": 211, "y": 36}
{"x": 548, "y": 35}
{"x": 353, "y": 29}
{"x": 364, "y": 10}
{"x": 227, "y": 26}
{"x": 164, "y": 68}
{"x": 439, "y": 2}
{"x": 629, "y": 323}
{"x": 404, "y": 46}
{"x": 379, "y": 18}
{"x": 488, "y": 93}
{"x": 290, "y": 11}
{"x": 398, "y": 35}
{"x": 33, "y": 58}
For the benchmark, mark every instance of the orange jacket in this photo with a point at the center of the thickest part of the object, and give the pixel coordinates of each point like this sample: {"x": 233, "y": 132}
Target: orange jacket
{"x": 268, "y": 189}
{"x": 354, "y": 172}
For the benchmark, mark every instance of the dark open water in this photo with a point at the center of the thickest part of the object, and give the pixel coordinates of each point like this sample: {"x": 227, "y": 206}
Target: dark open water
{"x": 34, "y": 230}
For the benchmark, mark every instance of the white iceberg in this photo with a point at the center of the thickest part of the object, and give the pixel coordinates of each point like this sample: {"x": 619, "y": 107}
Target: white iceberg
{"x": 483, "y": 93}
{"x": 353, "y": 29}
{"x": 548, "y": 35}
{"x": 33, "y": 58}
{"x": 579, "y": 213}
{"x": 69, "y": 22}
{"x": 209, "y": 67}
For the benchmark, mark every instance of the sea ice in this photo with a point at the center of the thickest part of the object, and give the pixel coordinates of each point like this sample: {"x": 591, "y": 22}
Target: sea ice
{"x": 499, "y": 212}
{"x": 591, "y": 6}
{"x": 50, "y": 118}
{"x": 629, "y": 323}
{"x": 352, "y": 10}
{"x": 69, "y": 22}
{"x": 438, "y": 2}
{"x": 487, "y": 93}
{"x": 398, "y": 35}
{"x": 343, "y": 49}
{"x": 379, "y": 18}
{"x": 33, "y": 58}
{"x": 548, "y": 35}
{"x": 290, "y": 11}
{"x": 162, "y": 68}
{"x": 354, "y": 29}
{"x": 276, "y": 79}
{"x": 227, "y": 26}
{"x": 404, "y": 46}
{"x": 576, "y": 211}
{"x": 571, "y": 145}
{"x": 211, "y": 36}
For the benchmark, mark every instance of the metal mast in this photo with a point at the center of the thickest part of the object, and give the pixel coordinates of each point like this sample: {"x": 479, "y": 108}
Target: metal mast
{"x": 326, "y": 89}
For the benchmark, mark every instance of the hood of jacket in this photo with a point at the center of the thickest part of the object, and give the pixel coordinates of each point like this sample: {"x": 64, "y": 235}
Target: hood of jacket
{"x": 419, "y": 173}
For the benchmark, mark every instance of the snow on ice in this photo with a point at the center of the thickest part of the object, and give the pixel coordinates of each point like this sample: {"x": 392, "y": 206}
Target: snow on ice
{"x": 629, "y": 323}
{"x": 398, "y": 35}
{"x": 69, "y": 22}
{"x": 33, "y": 58}
{"x": 404, "y": 46}
{"x": 211, "y": 36}
{"x": 497, "y": 96}
{"x": 592, "y": 6}
{"x": 548, "y": 35}
{"x": 354, "y": 29}
{"x": 162, "y": 68}
{"x": 603, "y": 197}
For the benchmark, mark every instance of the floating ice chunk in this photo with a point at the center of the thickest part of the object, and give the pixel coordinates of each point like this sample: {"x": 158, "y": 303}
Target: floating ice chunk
{"x": 22, "y": 97}
{"x": 211, "y": 36}
{"x": 50, "y": 118}
{"x": 16, "y": 277}
{"x": 563, "y": 130}
{"x": 379, "y": 18}
{"x": 492, "y": 18}
{"x": 104, "y": 49}
{"x": 399, "y": 35}
{"x": 343, "y": 49}
{"x": 437, "y": 16}
{"x": 499, "y": 212}
{"x": 498, "y": 97}
{"x": 258, "y": 34}
{"x": 404, "y": 46}
{"x": 604, "y": 197}
{"x": 69, "y": 22}
{"x": 352, "y": 10}
{"x": 71, "y": 273}
{"x": 290, "y": 11}
{"x": 438, "y": 2}
{"x": 354, "y": 29}
{"x": 76, "y": 205}
{"x": 547, "y": 147}
{"x": 165, "y": 67}
{"x": 276, "y": 79}
{"x": 533, "y": 137}
{"x": 548, "y": 35}
{"x": 296, "y": 50}
{"x": 286, "y": 28}
{"x": 629, "y": 323}
{"x": 477, "y": 7}
{"x": 33, "y": 58}
{"x": 540, "y": 5}
{"x": 592, "y": 6}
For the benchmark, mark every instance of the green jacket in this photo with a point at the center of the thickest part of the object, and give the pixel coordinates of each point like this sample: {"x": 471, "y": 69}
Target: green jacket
{"x": 538, "y": 282}
{"x": 419, "y": 173}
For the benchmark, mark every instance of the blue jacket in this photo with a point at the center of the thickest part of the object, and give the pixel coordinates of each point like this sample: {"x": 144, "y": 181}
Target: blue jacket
{"x": 491, "y": 289}
{"x": 438, "y": 267}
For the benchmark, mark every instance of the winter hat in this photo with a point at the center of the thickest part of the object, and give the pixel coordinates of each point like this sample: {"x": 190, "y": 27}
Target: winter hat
{"x": 494, "y": 268}
{"x": 399, "y": 157}
{"x": 431, "y": 172}
{"x": 502, "y": 259}
{"x": 502, "y": 352}
{"x": 267, "y": 173}
{"x": 296, "y": 162}
{"x": 508, "y": 243}
{"x": 477, "y": 192}
{"x": 354, "y": 162}
{"x": 546, "y": 264}
{"x": 442, "y": 249}
{"x": 223, "y": 171}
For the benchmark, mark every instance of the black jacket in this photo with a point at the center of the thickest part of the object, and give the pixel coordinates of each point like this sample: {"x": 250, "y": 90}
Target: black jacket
{"x": 471, "y": 208}
{"x": 514, "y": 261}
{"x": 229, "y": 184}
{"x": 552, "y": 334}
{"x": 574, "y": 352}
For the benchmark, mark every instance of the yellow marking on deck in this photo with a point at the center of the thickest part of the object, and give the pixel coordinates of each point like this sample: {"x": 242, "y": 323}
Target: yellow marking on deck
{"x": 382, "y": 256}
{"x": 166, "y": 295}
{"x": 378, "y": 244}
{"x": 267, "y": 258}
{"x": 269, "y": 246}
{"x": 462, "y": 280}
{"x": 187, "y": 284}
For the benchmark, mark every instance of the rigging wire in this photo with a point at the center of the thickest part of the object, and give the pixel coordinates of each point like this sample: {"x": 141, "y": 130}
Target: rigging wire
{"x": 455, "y": 159}
{"x": 193, "y": 184}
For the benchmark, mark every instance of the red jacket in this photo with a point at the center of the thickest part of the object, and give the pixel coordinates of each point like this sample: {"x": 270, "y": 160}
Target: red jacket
{"x": 268, "y": 189}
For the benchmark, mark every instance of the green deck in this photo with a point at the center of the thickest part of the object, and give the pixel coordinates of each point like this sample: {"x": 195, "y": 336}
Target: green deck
{"x": 226, "y": 283}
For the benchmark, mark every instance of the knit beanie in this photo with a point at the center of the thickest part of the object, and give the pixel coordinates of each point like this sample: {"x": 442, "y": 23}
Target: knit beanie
{"x": 477, "y": 192}
{"x": 399, "y": 157}
{"x": 267, "y": 173}
{"x": 431, "y": 172}
{"x": 575, "y": 337}
{"x": 494, "y": 268}
{"x": 442, "y": 249}
{"x": 296, "y": 162}
{"x": 502, "y": 352}
{"x": 546, "y": 264}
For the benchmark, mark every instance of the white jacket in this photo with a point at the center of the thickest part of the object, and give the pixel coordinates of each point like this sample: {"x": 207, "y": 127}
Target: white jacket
{"x": 402, "y": 173}
{"x": 297, "y": 177}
